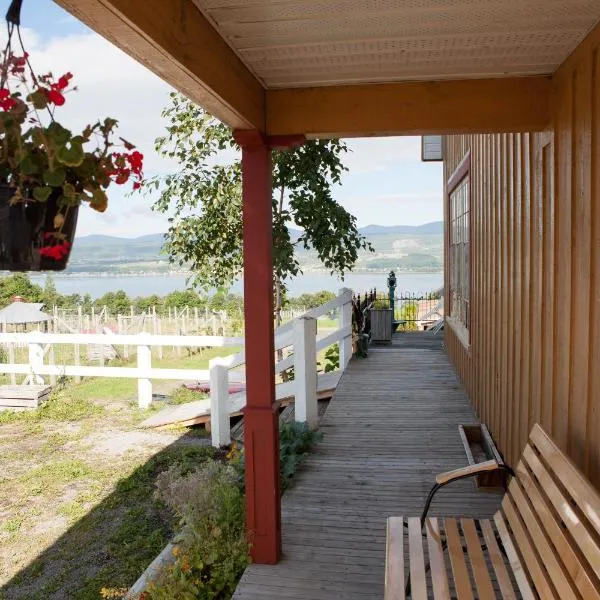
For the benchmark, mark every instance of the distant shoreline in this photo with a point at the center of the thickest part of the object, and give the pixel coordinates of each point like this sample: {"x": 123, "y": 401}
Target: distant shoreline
{"x": 108, "y": 274}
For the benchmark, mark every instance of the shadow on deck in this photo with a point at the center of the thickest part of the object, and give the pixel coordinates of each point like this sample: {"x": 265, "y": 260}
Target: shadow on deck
{"x": 391, "y": 426}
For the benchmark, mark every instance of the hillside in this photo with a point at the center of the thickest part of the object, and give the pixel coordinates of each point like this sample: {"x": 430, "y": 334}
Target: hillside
{"x": 402, "y": 247}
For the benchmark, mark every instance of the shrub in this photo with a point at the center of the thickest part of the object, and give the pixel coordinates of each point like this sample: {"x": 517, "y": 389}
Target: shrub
{"x": 295, "y": 442}
{"x": 212, "y": 550}
{"x": 332, "y": 358}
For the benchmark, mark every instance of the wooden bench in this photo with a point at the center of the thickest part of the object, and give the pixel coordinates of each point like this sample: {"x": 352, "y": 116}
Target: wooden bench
{"x": 544, "y": 542}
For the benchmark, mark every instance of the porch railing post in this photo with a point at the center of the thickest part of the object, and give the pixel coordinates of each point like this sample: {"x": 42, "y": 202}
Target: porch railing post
{"x": 305, "y": 371}
{"x": 345, "y": 321}
{"x": 220, "y": 427}
{"x": 144, "y": 363}
{"x": 36, "y": 360}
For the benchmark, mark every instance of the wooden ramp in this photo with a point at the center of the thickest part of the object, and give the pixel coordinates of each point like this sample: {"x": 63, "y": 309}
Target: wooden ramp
{"x": 391, "y": 425}
{"x": 194, "y": 413}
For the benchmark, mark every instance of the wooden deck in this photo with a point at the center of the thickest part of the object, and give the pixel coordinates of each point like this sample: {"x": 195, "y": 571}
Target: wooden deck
{"x": 390, "y": 427}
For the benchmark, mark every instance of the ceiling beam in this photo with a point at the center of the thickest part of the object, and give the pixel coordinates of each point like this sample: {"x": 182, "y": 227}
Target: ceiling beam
{"x": 176, "y": 41}
{"x": 412, "y": 108}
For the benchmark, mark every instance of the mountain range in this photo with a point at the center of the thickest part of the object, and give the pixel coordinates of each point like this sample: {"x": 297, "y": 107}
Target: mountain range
{"x": 405, "y": 247}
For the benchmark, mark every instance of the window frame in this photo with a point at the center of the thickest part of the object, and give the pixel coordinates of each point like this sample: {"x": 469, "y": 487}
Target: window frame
{"x": 460, "y": 328}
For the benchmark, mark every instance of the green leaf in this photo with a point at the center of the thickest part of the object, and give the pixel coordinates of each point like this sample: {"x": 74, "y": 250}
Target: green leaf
{"x": 55, "y": 178}
{"x": 58, "y": 134}
{"x": 28, "y": 166}
{"x": 41, "y": 194}
{"x": 69, "y": 191}
{"x": 38, "y": 99}
{"x": 71, "y": 156}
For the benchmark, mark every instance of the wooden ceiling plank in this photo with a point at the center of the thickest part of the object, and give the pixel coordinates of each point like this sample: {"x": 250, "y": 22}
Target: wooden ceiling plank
{"x": 177, "y": 42}
{"x": 413, "y": 108}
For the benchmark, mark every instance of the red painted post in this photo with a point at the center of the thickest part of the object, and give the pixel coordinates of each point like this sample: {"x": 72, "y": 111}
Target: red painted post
{"x": 261, "y": 421}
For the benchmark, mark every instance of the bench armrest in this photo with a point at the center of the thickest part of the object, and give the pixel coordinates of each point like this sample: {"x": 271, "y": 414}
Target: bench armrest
{"x": 448, "y": 476}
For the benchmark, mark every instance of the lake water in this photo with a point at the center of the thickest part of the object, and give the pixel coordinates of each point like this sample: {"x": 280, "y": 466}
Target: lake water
{"x": 145, "y": 285}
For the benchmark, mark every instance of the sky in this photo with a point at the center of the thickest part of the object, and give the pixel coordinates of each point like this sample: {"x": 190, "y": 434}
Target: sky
{"x": 387, "y": 183}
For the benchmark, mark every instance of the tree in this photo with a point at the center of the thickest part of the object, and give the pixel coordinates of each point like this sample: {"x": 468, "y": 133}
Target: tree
{"x": 50, "y": 297}
{"x": 204, "y": 201}
{"x": 118, "y": 303}
{"x": 18, "y": 284}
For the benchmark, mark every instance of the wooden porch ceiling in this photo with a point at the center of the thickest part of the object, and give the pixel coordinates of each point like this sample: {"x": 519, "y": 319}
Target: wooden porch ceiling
{"x": 354, "y": 67}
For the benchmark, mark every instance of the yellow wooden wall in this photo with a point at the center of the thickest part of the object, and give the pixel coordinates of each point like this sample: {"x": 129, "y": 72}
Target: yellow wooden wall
{"x": 534, "y": 351}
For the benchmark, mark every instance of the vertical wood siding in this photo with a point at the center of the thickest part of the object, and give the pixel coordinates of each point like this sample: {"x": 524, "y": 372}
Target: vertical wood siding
{"x": 534, "y": 353}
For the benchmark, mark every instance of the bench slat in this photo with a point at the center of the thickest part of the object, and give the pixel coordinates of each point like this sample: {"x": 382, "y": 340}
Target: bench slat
{"x": 580, "y": 573}
{"x": 483, "y": 582}
{"x": 578, "y": 529}
{"x": 542, "y": 544}
{"x": 394, "y": 562}
{"x": 457, "y": 560}
{"x": 418, "y": 582}
{"x": 502, "y": 576}
{"x": 439, "y": 576}
{"x": 513, "y": 558}
{"x": 534, "y": 567}
{"x": 569, "y": 476}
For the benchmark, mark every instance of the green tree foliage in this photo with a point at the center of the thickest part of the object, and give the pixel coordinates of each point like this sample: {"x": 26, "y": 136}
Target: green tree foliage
{"x": 116, "y": 302}
{"x": 309, "y": 301}
{"x": 18, "y": 284}
{"x": 203, "y": 199}
{"x": 50, "y": 297}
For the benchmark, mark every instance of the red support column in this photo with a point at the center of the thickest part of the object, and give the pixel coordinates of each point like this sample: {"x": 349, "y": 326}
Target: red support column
{"x": 261, "y": 419}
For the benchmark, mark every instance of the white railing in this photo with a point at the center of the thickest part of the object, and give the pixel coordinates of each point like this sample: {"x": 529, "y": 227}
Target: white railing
{"x": 300, "y": 336}
{"x": 39, "y": 343}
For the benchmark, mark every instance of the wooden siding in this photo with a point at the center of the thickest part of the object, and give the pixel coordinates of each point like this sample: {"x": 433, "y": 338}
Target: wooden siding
{"x": 534, "y": 351}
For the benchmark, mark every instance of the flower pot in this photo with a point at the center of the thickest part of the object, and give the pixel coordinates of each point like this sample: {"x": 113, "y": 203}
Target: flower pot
{"x": 28, "y": 234}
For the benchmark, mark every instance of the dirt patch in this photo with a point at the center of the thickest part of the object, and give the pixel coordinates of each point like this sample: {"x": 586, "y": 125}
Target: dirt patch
{"x": 116, "y": 442}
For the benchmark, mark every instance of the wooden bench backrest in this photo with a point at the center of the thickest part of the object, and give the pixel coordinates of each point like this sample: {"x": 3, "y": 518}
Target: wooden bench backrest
{"x": 551, "y": 518}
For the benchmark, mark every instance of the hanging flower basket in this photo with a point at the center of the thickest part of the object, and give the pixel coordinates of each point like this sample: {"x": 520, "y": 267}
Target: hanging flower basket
{"x": 47, "y": 171}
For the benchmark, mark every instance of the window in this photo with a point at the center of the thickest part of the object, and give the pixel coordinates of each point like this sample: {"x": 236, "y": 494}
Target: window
{"x": 459, "y": 188}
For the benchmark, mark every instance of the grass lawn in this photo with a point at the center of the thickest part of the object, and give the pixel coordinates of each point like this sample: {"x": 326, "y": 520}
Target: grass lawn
{"x": 78, "y": 519}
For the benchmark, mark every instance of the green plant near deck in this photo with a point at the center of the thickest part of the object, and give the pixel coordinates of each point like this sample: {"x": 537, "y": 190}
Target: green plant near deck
{"x": 295, "y": 442}
{"x": 212, "y": 551}
{"x": 332, "y": 358}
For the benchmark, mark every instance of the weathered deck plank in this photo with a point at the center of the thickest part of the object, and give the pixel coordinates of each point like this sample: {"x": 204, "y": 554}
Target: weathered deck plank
{"x": 390, "y": 427}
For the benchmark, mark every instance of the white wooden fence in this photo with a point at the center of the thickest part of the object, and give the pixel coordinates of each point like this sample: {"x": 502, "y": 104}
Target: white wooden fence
{"x": 39, "y": 343}
{"x": 299, "y": 335}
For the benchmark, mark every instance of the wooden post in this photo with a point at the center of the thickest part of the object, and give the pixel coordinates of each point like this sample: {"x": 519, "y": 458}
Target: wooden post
{"x": 36, "y": 360}
{"x": 11, "y": 361}
{"x": 159, "y": 329}
{"x": 144, "y": 361}
{"x": 261, "y": 419}
{"x": 77, "y": 362}
{"x": 305, "y": 371}
{"x": 220, "y": 428}
{"x": 345, "y": 320}
{"x": 79, "y": 319}
{"x": 196, "y": 320}
{"x": 51, "y": 363}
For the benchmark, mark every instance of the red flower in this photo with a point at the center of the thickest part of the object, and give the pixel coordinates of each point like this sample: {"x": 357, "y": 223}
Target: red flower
{"x": 57, "y": 252}
{"x": 6, "y": 102}
{"x": 55, "y": 97}
{"x": 137, "y": 185}
{"x": 63, "y": 82}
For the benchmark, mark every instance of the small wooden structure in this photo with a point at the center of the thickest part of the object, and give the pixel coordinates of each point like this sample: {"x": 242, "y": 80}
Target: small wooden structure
{"x": 381, "y": 325}
{"x": 479, "y": 447}
{"x": 22, "y": 397}
{"x": 543, "y": 543}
